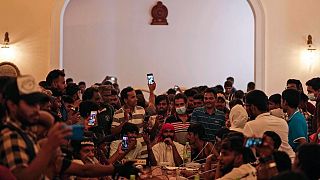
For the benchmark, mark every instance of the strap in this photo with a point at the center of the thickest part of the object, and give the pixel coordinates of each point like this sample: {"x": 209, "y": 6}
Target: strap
{"x": 30, "y": 145}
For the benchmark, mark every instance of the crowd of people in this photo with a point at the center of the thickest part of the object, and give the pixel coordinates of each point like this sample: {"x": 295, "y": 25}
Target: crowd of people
{"x": 59, "y": 129}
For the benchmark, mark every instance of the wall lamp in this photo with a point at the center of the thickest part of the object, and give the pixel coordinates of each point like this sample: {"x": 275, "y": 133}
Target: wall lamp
{"x": 6, "y": 40}
{"x": 309, "y": 42}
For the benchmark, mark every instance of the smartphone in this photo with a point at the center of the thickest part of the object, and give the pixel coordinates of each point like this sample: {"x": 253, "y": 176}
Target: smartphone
{"x": 124, "y": 143}
{"x": 77, "y": 132}
{"x": 176, "y": 87}
{"x": 93, "y": 118}
{"x": 250, "y": 142}
{"x": 150, "y": 78}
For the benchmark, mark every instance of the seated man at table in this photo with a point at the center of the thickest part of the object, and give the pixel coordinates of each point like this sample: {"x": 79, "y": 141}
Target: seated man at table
{"x": 234, "y": 160}
{"x": 200, "y": 148}
{"x": 167, "y": 151}
{"x": 134, "y": 147}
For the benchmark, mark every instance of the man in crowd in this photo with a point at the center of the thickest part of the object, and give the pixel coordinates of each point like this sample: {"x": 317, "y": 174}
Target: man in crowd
{"x": 257, "y": 109}
{"x": 129, "y": 112}
{"x": 134, "y": 147}
{"x": 198, "y": 100}
{"x": 162, "y": 112}
{"x": 180, "y": 120}
{"x": 105, "y": 112}
{"x": 189, "y": 93}
{"x": 313, "y": 88}
{"x": 208, "y": 116}
{"x": 200, "y": 148}
{"x": 298, "y": 130}
{"x": 274, "y": 105}
{"x": 55, "y": 81}
{"x": 167, "y": 151}
{"x": 251, "y": 86}
{"x": 228, "y": 86}
{"x": 233, "y": 161}
{"x": 18, "y": 141}
{"x": 82, "y": 86}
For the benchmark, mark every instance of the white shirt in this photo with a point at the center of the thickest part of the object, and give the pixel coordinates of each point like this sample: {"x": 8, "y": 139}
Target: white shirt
{"x": 245, "y": 171}
{"x": 267, "y": 122}
{"x": 133, "y": 154}
{"x": 163, "y": 152}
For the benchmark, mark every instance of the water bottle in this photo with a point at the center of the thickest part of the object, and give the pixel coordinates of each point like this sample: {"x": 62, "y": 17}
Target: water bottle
{"x": 187, "y": 153}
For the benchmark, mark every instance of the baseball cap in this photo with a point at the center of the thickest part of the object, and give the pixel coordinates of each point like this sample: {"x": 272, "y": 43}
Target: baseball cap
{"x": 23, "y": 88}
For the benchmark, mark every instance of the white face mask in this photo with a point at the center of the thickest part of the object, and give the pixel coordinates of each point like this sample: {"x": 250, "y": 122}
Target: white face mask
{"x": 181, "y": 110}
{"x": 311, "y": 96}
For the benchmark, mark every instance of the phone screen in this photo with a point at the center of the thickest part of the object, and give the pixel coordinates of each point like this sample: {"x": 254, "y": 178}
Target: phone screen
{"x": 150, "y": 78}
{"x": 93, "y": 118}
{"x": 250, "y": 142}
{"x": 124, "y": 143}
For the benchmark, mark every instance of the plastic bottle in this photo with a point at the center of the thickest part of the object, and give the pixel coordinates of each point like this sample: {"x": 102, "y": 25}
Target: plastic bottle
{"x": 187, "y": 153}
{"x": 132, "y": 177}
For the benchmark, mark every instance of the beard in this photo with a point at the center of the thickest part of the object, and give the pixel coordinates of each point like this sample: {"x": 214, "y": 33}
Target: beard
{"x": 27, "y": 120}
{"x": 227, "y": 168}
{"x": 162, "y": 112}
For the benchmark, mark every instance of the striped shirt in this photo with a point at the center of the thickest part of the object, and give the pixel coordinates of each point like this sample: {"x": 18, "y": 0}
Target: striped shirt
{"x": 136, "y": 118}
{"x": 180, "y": 128}
{"x": 211, "y": 123}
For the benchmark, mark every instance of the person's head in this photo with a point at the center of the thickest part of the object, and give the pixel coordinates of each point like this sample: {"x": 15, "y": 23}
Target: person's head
{"x": 221, "y": 103}
{"x": 105, "y": 92}
{"x": 68, "y": 103}
{"x": 129, "y": 97}
{"x": 92, "y": 94}
{"x": 130, "y": 130}
{"x": 234, "y": 102}
{"x": 256, "y": 103}
{"x": 271, "y": 142}
{"x": 209, "y": 98}
{"x": 86, "y": 107}
{"x": 282, "y": 160}
{"x": 141, "y": 101}
{"x": 55, "y": 79}
{"x": 290, "y": 99}
{"x": 308, "y": 160}
{"x": 180, "y": 103}
{"x": 293, "y": 84}
{"x": 190, "y": 93}
{"x": 313, "y": 88}
{"x": 84, "y": 150}
{"x": 196, "y": 132}
{"x": 303, "y": 101}
{"x": 73, "y": 91}
{"x": 231, "y": 79}
{"x": 167, "y": 131}
{"x": 162, "y": 104}
{"x": 238, "y": 117}
{"x": 22, "y": 99}
{"x": 239, "y": 94}
{"x": 228, "y": 87}
{"x": 82, "y": 86}
{"x": 171, "y": 91}
{"x": 198, "y": 100}
{"x": 219, "y": 88}
{"x": 274, "y": 101}
{"x": 251, "y": 86}
{"x": 231, "y": 154}
{"x": 114, "y": 99}
{"x": 45, "y": 103}
{"x": 69, "y": 80}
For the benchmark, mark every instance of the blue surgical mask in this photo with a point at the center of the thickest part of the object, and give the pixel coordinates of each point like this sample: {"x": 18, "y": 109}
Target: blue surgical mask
{"x": 181, "y": 110}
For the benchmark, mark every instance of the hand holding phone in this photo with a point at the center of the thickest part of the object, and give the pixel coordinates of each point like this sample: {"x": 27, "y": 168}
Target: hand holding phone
{"x": 124, "y": 143}
{"x": 253, "y": 142}
{"x": 150, "y": 78}
{"x": 93, "y": 118}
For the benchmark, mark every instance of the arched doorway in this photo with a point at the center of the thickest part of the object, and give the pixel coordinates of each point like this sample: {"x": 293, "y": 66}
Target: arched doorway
{"x": 259, "y": 38}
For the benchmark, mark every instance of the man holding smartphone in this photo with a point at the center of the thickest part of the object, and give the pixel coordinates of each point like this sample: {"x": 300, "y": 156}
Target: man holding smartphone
{"x": 127, "y": 147}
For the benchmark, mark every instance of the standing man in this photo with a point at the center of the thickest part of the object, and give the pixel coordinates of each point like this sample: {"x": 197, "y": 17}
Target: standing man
{"x": 208, "y": 116}
{"x": 129, "y": 112}
{"x": 257, "y": 109}
{"x": 313, "y": 88}
{"x": 298, "y": 130}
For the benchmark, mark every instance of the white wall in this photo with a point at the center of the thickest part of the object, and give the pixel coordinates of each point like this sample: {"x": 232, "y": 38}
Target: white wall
{"x": 288, "y": 22}
{"x": 205, "y": 42}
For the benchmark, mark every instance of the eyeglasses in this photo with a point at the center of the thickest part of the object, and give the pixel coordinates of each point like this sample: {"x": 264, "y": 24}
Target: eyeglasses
{"x": 168, "y": 131}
